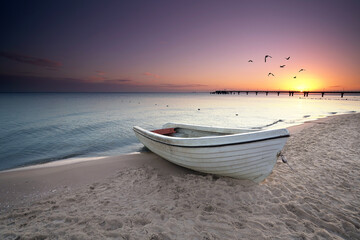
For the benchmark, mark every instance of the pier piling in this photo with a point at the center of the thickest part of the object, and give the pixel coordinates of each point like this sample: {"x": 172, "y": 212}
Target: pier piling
{"x": 291, "y": 93}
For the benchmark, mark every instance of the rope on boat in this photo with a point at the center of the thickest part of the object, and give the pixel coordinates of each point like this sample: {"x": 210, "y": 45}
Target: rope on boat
{"x": 284, "y": 160}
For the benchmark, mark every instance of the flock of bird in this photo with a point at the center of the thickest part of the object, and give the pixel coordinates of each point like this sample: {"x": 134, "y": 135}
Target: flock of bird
{"x": 281, "y": 66}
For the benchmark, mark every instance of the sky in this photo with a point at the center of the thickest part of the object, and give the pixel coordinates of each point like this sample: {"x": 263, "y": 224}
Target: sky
{"x": 179, "y": 46}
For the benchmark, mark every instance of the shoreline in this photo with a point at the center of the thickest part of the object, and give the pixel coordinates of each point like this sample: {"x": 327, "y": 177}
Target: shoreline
{"x": 142, "y": 195}
{"x": 292, "y": 129}
{"x": 28, "y": 184}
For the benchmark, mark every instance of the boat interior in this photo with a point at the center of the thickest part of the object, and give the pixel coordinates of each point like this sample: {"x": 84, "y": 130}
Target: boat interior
{"x": 196, "y": 131}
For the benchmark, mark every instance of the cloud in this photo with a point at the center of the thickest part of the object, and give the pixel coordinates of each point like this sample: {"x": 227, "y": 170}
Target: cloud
{"x": 31, "y": 83}
{"x": 167, "y": 85}
{"x": 96, "y": 79}
{"x": 117, "y": 81}
{"x": 26, "y": 83}
{"x": 151, "y": 74}
{"x": 42, "y": 62}
{"x": 100, "y": 73}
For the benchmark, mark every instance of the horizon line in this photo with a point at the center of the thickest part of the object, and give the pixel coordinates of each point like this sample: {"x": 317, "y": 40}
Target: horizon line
{"x": 270, "y": 91}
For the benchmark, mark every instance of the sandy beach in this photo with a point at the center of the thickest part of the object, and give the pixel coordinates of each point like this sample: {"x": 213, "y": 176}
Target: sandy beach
{"x": 142, "y": 196}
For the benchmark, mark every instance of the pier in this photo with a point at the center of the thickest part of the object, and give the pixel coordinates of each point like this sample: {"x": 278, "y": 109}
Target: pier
{"x": 290, "y": 93}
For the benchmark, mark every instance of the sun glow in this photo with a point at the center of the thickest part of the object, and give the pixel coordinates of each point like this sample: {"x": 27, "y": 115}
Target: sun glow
{"x": 304, "y": 84}
{"x": 301, "y": 88}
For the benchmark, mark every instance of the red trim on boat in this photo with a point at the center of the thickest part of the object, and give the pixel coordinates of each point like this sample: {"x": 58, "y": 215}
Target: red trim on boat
{"x": 165, "y": 131}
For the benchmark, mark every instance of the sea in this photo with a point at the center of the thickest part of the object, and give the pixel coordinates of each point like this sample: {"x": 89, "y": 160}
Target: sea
{"x": 37, "y": 128}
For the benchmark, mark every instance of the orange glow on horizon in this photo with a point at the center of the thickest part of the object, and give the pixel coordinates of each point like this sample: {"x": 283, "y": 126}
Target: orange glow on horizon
{"x": 304, "y": 83}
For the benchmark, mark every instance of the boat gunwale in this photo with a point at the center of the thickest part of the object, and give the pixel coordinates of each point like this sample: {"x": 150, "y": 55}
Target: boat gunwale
{"x": 203, "y": 142}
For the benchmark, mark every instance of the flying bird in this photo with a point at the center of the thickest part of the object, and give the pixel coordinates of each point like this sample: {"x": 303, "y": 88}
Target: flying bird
{"x": 271, "y": 74}
{"x": 282, "y": 66}
{"x": 250, "y": 60}
{"x": 295, "y": 77}
{"x": 287, "y": 58}
{"x": 267, "y": 57}
{"x": 301, "y": 70}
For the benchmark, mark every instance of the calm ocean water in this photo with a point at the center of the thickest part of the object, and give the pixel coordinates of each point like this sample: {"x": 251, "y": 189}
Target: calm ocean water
{"x": 44, "y": 127}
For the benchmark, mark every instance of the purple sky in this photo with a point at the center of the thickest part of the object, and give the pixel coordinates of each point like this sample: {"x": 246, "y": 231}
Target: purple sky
{"x": 178, "y": 45}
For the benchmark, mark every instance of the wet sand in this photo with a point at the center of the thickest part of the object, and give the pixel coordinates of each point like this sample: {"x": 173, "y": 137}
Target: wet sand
{"x": 142, "y": 196}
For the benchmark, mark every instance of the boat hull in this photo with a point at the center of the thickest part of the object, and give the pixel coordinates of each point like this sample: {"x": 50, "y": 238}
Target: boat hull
{"x": 239, "y": 158}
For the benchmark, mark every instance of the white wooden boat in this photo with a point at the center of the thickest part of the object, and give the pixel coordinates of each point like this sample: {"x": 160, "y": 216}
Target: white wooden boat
{"x": 238, "y": 153}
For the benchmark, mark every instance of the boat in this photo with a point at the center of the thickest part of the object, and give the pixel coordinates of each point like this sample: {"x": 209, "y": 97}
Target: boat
{"x": 239, "y": 153}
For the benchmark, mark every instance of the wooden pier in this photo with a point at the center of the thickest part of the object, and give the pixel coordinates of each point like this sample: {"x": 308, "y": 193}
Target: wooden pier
{"x": 291, "y": 93}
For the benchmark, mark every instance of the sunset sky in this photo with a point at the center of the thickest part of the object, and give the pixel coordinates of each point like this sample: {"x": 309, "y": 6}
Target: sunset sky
{"x": 179, "y": 46}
